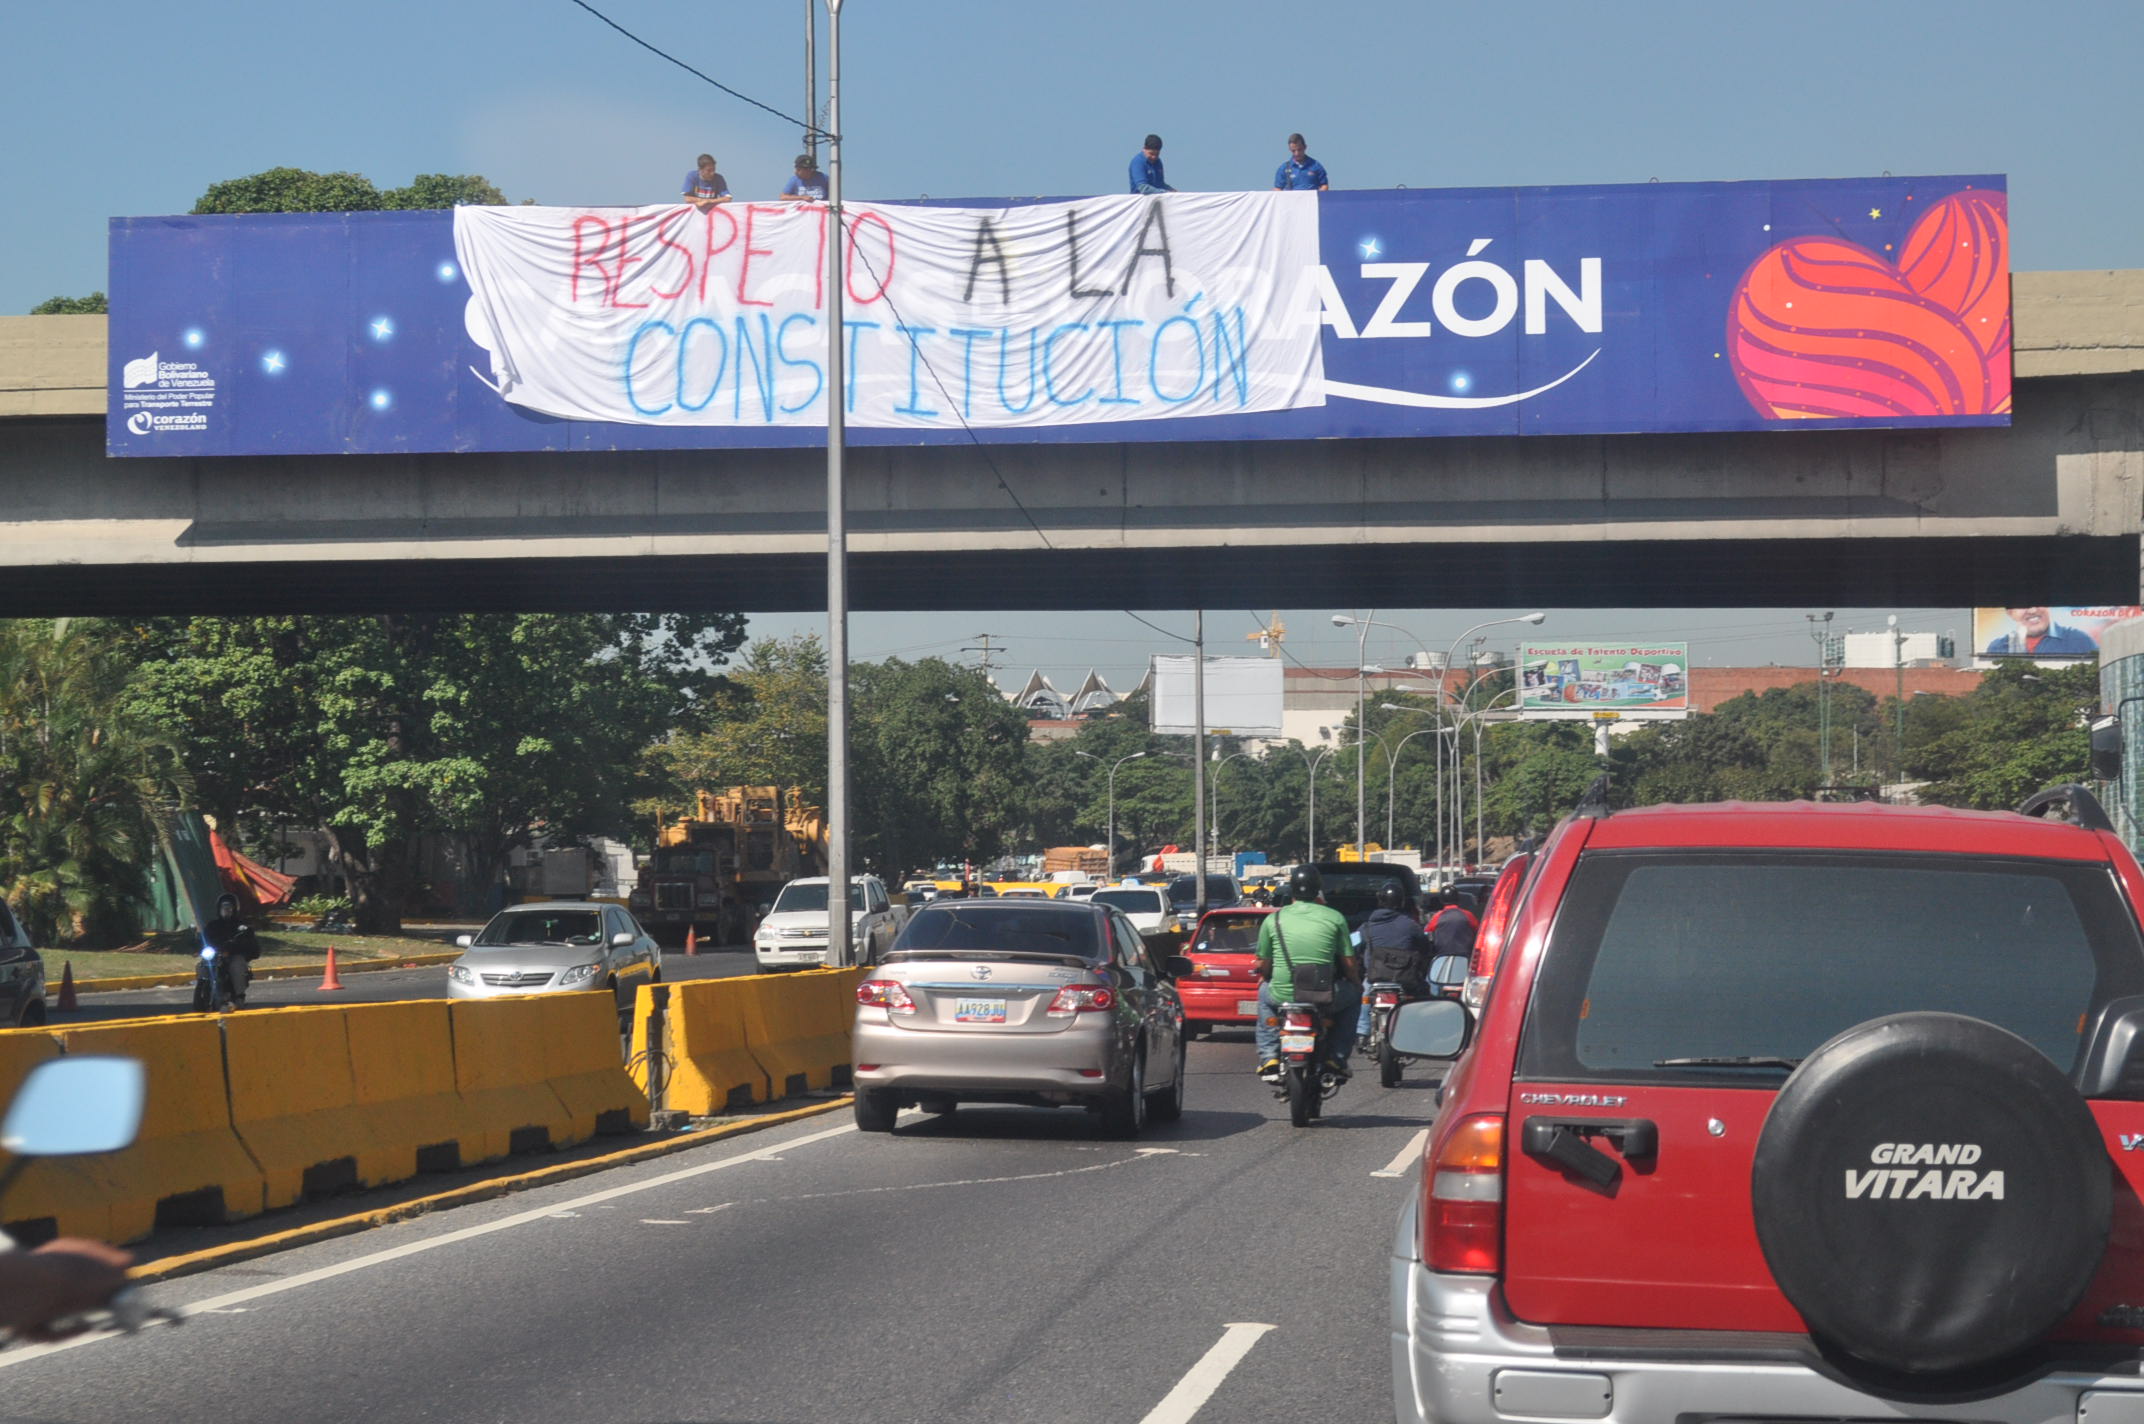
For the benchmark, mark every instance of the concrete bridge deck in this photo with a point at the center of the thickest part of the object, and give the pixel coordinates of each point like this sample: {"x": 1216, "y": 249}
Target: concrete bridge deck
{"x": 2049, "y": 510}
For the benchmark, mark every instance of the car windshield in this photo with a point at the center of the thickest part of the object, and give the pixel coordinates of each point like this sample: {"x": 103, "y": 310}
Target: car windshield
{"x": 1131, "y": 902}
{"x": 1005, "y": 928}
{"x": 796, "y": 896}
{"x": 1230, "y": 934}
{"x": 544, "y": 927}
{"x": 1220, "y": 890}
{"x": 1660, "y": 956}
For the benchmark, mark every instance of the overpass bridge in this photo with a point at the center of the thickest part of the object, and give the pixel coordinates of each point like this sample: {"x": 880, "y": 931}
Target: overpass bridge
{"x": 2050, "y": 510}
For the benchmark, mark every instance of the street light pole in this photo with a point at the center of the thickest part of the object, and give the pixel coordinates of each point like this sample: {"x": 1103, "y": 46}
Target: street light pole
{"x": 837, "y": 537}
{"x": 1444, "y": 691}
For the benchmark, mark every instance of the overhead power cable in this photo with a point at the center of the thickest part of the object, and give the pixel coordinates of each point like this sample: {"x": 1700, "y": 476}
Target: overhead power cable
{"x": 809, "y": 127}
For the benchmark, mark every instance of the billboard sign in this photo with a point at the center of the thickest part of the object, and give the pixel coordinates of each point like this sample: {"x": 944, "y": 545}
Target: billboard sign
{"x": 1625, "y": 681}
{"x": 2044, "y": 632}
{"x": 1836, "y": 303}
{"x": 1243, "y": 696}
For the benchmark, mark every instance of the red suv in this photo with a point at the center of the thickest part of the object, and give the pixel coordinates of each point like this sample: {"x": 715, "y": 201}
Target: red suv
{"x": 1791, "y": 1112}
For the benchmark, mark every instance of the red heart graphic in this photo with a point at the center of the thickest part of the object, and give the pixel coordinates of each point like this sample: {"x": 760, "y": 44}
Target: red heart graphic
{"x": 1821, "y": 328}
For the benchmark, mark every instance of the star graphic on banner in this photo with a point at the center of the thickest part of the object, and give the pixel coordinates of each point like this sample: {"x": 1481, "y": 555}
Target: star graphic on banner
{"x": 382, "y": 329}
{"x": 273, "y": 361}
{"x": 1875, "y": 212}
{"x": 1370, "y": 248}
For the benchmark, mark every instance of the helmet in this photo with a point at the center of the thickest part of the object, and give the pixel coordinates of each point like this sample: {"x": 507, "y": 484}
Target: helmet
{"x": 1390, "y": 896}
{"x": 1305, "y": 883}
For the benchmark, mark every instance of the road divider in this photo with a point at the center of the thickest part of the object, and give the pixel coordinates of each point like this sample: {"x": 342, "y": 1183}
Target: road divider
{"x": 269, "y": 1107}
{"x": 722, "y": 1045}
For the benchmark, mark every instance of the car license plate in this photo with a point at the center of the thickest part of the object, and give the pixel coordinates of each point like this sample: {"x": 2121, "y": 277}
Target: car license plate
{"x": 1247, "y": 1006}
{"x": 1297, "y": 1042}
{"x": 979, "y": 1011}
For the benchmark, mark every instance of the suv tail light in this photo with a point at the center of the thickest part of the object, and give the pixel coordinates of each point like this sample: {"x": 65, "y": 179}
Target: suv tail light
{"x": 1463, "y": 1200}
{"x": 1082, "y": 999}
{"x": 885, "y": 994}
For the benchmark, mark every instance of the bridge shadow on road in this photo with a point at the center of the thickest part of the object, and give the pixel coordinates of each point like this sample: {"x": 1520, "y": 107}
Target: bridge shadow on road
{"x": 981, "y": 1123}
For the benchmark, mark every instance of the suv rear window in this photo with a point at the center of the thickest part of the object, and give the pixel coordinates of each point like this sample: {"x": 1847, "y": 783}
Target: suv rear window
{"x": 1708, "y": 955}
{"x": 1005, "y": 926}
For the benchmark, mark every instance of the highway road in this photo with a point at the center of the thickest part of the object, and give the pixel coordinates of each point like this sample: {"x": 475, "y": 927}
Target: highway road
{"x": 999, "y": 1265}
{"x": 371, "y": 987}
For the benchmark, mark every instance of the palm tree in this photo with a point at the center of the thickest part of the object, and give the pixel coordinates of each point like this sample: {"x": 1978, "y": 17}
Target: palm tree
{"x": 86, "y": 787}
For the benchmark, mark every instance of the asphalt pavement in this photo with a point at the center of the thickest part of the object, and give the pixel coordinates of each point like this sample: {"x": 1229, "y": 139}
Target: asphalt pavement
{"x": 999, "y": 1264}
{"x": 369, "y": 987}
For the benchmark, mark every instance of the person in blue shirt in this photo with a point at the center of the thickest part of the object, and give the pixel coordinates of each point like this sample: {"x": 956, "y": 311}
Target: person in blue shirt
{"x": 808, "y": 184}
{"x": 1146, "y": 168}
{"x": 1301, "y": 171}
{"x": 2038, "y": 635}
{"x": 704, "y": 187}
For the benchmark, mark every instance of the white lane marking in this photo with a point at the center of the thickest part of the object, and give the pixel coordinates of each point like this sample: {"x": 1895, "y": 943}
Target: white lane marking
{"x": 216, "y": 1304}
{"x": 663, "y": 1221}
{"x": 1197, "y": 1386}
{"x": 1398, "y": 1166}
{"x": 930, "y": 1186}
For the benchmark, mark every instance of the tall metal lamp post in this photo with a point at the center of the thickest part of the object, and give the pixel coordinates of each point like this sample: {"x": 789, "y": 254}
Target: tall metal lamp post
{"x": 1444, "y": 692}
{"x": 837, "y": 535}
{"x": 1111, "y": 833}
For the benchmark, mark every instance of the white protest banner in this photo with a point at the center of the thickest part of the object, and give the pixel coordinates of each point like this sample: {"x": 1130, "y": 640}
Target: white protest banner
{"x": 1102, "y": 309}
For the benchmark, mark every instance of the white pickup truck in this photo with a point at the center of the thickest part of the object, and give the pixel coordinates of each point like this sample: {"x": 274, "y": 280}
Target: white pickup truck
{"x": 793, "y": 935}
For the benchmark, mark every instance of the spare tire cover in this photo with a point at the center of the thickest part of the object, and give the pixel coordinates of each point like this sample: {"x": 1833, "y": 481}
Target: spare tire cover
{"x": 1931, "y": 1193}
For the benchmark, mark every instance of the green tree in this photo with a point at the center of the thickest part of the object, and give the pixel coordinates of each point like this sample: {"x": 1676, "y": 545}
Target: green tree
{"x": 763, "y": 725}
{"x": 941, "y": 764}
{"x": 378, "y": 729}
{"x": 297, "y": 190}
{"x": 2022, "y": 729}
{"x": 88, "y": 785}
{"x": 91, "y": 305}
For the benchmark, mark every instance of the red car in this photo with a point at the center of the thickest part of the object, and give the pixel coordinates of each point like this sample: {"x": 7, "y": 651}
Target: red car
{"x": 1791, "y": 1112}
{"x": 1222, "y": 988}
{"x": 1496, "y": 917}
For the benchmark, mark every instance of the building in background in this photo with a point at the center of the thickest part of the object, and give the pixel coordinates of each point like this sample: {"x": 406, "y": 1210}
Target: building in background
{"x": 2121, "y": 694}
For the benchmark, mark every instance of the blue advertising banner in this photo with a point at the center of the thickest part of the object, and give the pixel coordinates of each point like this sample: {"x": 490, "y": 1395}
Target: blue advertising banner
{"x": 1844, "y": 303}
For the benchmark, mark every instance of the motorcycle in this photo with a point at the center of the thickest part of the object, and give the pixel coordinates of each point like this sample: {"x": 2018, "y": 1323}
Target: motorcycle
{"x": 1447, "y": 976}
{"x": 1304, "y": 1079}
{"x": 212, "y": 982}
{"x": 73, "y": 1107}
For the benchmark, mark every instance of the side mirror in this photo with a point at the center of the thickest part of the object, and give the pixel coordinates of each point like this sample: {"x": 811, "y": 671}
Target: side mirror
{"x": 72, "y": 1107}
{"x": 1448, "y": 972}
{"x": 464, "y": 941}
{"x": 1177, "y": 966}
{"x": 1432, "y": 1028}
{"x": 2107, "y": 749}
{"x": 621, "y": 940}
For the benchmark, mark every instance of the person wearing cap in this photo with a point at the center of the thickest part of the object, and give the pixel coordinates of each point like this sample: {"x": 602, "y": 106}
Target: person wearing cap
{"x": 704, "y": 187}
{"x": 1301, "y": 172}
{"x": 807, "y": 184}
{"x": 1146, "y": 168}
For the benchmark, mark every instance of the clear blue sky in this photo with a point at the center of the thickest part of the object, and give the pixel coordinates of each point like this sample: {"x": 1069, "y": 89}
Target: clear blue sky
{"x": 131, "y": 107}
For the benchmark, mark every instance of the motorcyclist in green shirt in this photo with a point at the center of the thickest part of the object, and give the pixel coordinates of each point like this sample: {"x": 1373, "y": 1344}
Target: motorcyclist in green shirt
{"x": 1306, "y": 931}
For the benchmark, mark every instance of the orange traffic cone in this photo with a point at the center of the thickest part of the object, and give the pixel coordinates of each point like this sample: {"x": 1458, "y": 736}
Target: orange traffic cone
{"x": 692, "y": 939}
{"x": 66, "y": 1004}
{"x": 330, "y": 980}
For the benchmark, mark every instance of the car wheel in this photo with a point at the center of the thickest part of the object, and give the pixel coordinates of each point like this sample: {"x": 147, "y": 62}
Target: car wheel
{"x": 1388, "y": 1066}
{"x": 1931, "y": 1193}
{"x": 875, "y": 1110}
{"x": 1124, "y": 1112}
{"x": 1168, "y": 1104}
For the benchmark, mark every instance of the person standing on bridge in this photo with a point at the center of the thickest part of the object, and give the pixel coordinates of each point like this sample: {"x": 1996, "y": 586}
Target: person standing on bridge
{"x": 1301, "y": 172}
{"x": 704, "y": 187}
{"x": 807, "y": 184}
{"x": 1147, "y": 174}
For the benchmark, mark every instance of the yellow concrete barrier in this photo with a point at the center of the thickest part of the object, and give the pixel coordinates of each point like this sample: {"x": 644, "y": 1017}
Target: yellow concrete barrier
{"x": 188, "y": 1167}
{"x": 499, "y": 1071}
{"x": 582, "y": 1065}
{"x": 710, "y": 1070}
{"x": 797, "y": 1027}
{"x": 402, "y": 1070}
{"x": 52, "y": 1197}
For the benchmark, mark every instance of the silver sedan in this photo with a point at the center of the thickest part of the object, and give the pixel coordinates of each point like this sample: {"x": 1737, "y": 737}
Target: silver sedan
{"x": 552, "y": 947}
